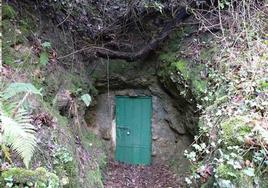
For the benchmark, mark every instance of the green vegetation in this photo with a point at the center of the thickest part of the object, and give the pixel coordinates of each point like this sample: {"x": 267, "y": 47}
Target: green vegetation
{"x": 94, "y": 175}
{"x": 225, "y": 71}
{"x": 227, "y": 172}
{"x": 15, "y": 33}
{"x": 8, "y": 12}
{"x": 95, "y": 178}
{"x": 65, "y": 167}
{"x": 39, "y": 178}
{"x": 62, "y": 159}
{"x": 191, "y": 70}
{"x": 234, "y": 131}
{"x": 231, "y": 127}
{"x": 17, "y": 130}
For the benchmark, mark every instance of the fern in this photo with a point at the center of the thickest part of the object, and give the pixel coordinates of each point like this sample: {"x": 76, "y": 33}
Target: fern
{"x": 17, "y": 130}
{"x": 16, "y": 88}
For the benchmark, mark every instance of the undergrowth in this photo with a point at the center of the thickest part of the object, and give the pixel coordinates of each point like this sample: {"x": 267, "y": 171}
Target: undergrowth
{"x": 231, "y": 147}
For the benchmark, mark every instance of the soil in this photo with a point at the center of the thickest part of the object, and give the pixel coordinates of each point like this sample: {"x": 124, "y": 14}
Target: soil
{"x": 118, "y": 175}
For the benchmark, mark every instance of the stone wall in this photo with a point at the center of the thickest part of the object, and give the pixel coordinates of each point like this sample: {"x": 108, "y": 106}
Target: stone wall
{"x": 173, "y": 119}
{"x": 167, "y": 143}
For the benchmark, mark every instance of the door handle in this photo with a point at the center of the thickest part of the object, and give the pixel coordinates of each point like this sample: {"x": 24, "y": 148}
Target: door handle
{"x": 125, "y": 129}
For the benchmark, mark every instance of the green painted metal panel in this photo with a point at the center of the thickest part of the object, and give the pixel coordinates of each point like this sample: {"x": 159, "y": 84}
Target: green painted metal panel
{"x": 133, "y": 129}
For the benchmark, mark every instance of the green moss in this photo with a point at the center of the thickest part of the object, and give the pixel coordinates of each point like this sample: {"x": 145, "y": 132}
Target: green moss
{"x": 95, "y": 145}
{"x": 200, "y": 86}
{"x": 264, "y": 180}
{"x": 119, "y": 66}
{"x": 27, "y": 25}
{"x": 227, "y": 175}
{"x": 65, "y": 166}
{"x": 227, "y": 172}
{"x": 263, "y": 85}
{"x": 95, "y": 177}
{"x": 9, "y": 34}
{"x": 176, "y": 38}
{"x": 15, "y": 31}
{"x": 173, "y": 45}
{"x": 181, "y": 65}
{"x": 8, "y": 57}
{"x": 167, "y": 57}
{"x": 8, "y": 12}
{"x": 73, "y": 82}
{"x": 234, "y": 130}
{"x": 13, "y": 34}
{"x": 61, "y": 120}
{"x": 191, "y": 73}
{"x": 39, "y": 178}
{"x": 207, "y": 54}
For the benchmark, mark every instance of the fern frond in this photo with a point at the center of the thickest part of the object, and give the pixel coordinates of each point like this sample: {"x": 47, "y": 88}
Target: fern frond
{"x": 16, "y": 88}
{"x": 17, "y": 130}
{"x": 20, "y": 135}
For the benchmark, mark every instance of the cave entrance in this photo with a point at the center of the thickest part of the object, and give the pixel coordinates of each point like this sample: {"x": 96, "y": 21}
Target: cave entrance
{"x": 133, "y": 129}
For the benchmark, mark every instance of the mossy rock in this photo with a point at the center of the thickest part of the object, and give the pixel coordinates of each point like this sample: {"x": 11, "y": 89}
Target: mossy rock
{"x": 14, "y": 34}
{"x": 228, "y": 177}
{"x": 186, "y": 76}
{"x": 39, "y": 178}
{"x": 227, "y": 172}
{"x": 16, "y": 29}
{"x": 192, "y": 74}
{"x": 234, "y": 131}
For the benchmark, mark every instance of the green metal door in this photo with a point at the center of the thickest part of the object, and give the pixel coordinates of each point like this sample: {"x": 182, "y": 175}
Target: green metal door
{"x": 133, "y": 129}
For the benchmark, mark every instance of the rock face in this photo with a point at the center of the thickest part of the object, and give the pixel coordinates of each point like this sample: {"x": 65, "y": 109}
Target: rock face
{"x": 173, "y": 116}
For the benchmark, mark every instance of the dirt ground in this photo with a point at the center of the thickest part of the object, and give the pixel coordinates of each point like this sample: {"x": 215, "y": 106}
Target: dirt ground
{"x": 119, "y": 175}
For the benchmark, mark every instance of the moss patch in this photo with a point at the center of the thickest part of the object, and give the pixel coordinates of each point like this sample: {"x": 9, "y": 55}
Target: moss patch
{"x": 39, "y": 178}
{"x": 66, "y": 167}
{"x": 189, "y": 73}
{"x": 234, "y": 130}
{"x": 8, "y": 12}
{"x": 227, "y": 176}
{"x": 189, "y": 69}
{"x": 227, "y": 172}
{"x": 95, "y": 178}
{"x": 15, "y": 32}
{"x": 99, "y": 159}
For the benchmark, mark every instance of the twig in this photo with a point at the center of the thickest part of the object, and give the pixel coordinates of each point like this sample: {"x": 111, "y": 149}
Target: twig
{"x": 20, "y": 103}
{"x": 64, "y": 19}
{"x": 74, "y": 52}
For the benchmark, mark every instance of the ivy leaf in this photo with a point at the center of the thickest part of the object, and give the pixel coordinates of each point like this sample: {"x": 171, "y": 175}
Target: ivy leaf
{"x": 249, "y": 172}
{"x": 86, "y": 98}
{"x": 46, "y": 45}
{"x": 43, "y": 60}
{"x": 225, "y": 183}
